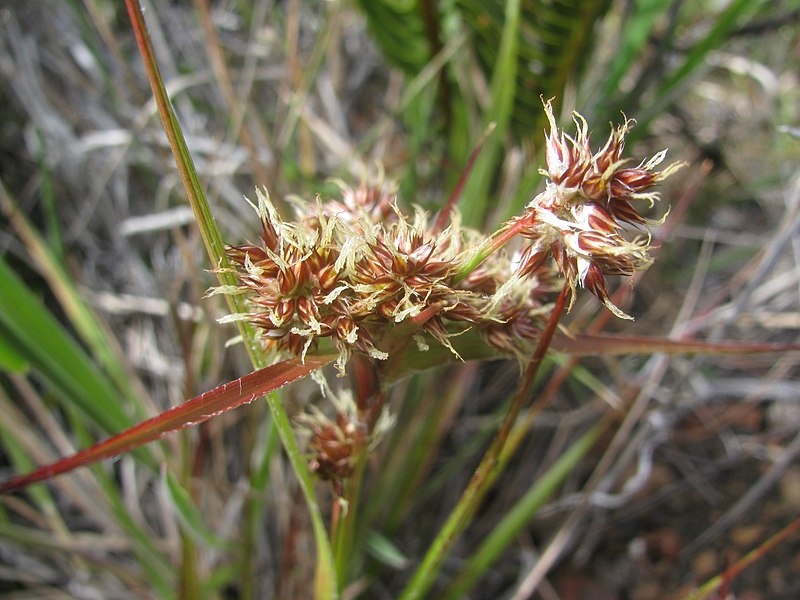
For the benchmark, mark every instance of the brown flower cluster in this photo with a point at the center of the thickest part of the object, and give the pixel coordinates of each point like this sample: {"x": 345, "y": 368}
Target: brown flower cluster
{"x": 580, "y": 217}
{"x": 335, "y": 443}
{"x": 367, "y": 277}
{"x": 333, "y": 446}
{"x": 349, "y": 271}
{"x": 359, "y": 273}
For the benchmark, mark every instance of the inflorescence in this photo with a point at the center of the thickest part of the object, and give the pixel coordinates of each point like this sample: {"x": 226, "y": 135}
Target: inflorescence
{"x": 367, "y": 277}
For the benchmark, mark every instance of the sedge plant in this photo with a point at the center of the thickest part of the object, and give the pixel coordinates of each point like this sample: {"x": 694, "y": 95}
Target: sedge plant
{"x": 358, "y": 280}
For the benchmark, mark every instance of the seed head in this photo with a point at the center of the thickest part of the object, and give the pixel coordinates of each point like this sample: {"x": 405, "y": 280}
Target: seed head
{"x": 334, "y": 274}
{"x": 335, "y": 442}
{"x": 358, "y": 273}
{"x": 333, "y": 445}
{"x": 581, "y": 216}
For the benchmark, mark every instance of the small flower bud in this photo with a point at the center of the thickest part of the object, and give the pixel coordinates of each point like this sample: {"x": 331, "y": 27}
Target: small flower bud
{"x": 333, "y": 446}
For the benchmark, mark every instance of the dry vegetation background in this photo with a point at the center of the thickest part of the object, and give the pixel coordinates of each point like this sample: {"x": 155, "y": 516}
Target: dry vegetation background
{"x": 706, "y": 462}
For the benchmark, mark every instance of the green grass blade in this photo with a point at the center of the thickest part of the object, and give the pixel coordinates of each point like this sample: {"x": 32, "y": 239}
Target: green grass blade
{"x": 635, "y": 34}
{"x": 503, "y": 88}
{"x": 27, "y": 326}
{"x": 485, "y": 475}
{"x": 399, "y": 29}
{"x": 325, "y": 581}
{"x": 504, "y": 533}
{"x": 212, "y": 239}
{"x": 385, "y": 552}
{"x": 152, "y": 560}
{"x": 105, "y": 498}
{"x": 189, "y": 516}
{"x": 10, "y": 358}
{"x": 90, "y": 329}
{"x": 736, "y": 13}
{"x": 49, "y": 201}
{"x": 254, "y": 509}
{"x": 326, "y": 578}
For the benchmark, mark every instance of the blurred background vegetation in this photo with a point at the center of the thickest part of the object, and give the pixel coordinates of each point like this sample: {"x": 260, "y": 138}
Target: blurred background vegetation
{"x": 102, "y": 276}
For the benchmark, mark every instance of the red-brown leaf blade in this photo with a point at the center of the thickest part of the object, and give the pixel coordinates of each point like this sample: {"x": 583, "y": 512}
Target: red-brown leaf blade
{"x": 192, "y": 412}
{"x": 610, "y": 344}
{"x": 447, "y": 209}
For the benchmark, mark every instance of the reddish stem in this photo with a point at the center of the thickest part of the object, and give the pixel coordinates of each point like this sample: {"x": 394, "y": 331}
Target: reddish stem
{"x": 499, "y": 239}
{"x": 529, "y": 377}
{"x": 444, "y": 216}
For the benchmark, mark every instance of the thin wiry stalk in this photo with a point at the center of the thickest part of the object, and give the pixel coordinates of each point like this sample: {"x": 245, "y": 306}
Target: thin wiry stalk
{"x": 483, "y": 477}
{"x": 325, "y": 582}
{"x": 521, "y": 513}
{"x": 212, "y": 239}
{"x": 724, "y": 579}
{"x": 370, "y": 400}
{"x": 240, "y": 126}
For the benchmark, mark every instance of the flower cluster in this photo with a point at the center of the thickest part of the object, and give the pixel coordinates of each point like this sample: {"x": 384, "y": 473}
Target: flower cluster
{"x": 359, "y": 273}
{"x": 351, "y": 272}
{"x": 335, "y": 443}
{"x": 580, "y": 216}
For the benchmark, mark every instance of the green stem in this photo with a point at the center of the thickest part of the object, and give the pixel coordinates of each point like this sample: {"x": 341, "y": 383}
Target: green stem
{"x": 345, "y": 532}
{"x": 212, "y": 239}
{"x": 370, "y": 399}
{"x": 520, "y": 514}
{"x": 502, "y": 91}
{"x": 189, "y": 586}
{"x": 253, "y": 510}
{"x": 325, "y": 582}
{"x": 487, "y": 470}
{"x": 748, "y": 559}
{"x": 499, "y": 239}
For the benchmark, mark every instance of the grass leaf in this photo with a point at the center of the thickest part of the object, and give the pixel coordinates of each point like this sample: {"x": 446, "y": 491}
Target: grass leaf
{"x": 503, "y": 89}
{"x": 731, "y": 17}
{"x": 521, "y": 513}
{"x": 200, "y": 408}
{"x": 27, "y": 326}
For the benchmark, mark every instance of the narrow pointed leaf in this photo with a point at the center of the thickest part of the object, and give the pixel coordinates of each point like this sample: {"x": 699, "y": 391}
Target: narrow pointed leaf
{"x": 471, "y": 346}
{"x": 207, "y": 225}
{"x": 190, "y": 515}
{"x": 503, "y": 90}
{"x": 748, "y": 559}
{"x": 197, "y": 410}
{"x": 444, "y": 216}
{"x": 326, "y": 585}
{"x": 608, "y": 344}
{"x": 82, "y": 317}
{"x": 735, "y": 14}
{"x": 10, "y": 358}
{"x": 29, "y": 329}
{"x": 635, "y": 34}
{"x": 493, "y": 545}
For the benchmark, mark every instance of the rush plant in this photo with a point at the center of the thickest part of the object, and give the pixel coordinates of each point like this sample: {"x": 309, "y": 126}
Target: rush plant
{"x": 361, "y": 292}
